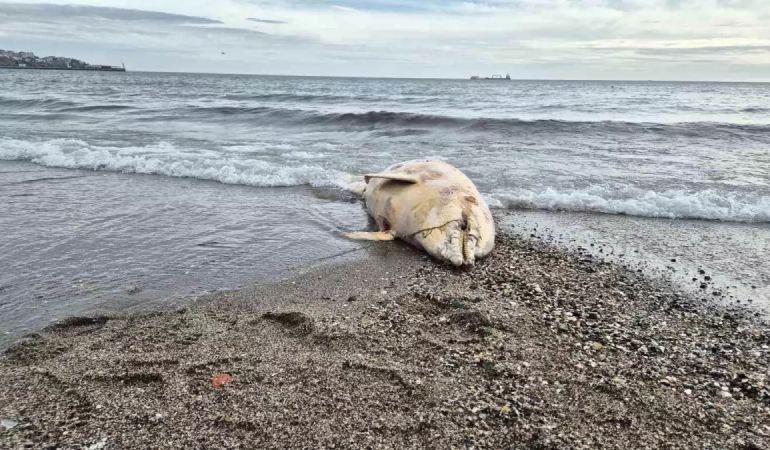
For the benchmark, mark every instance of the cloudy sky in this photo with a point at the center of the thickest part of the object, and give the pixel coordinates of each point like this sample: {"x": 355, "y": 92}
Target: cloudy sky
{"x": 553, "y": 39}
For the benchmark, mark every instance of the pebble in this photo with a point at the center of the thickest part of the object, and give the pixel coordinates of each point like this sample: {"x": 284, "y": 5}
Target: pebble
{"x": 98, "y": 445}
{"x": 8, "y": 424}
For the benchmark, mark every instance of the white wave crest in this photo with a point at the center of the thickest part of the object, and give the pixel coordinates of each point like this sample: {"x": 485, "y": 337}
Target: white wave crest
{"x": 672, "y": 204}
{"x": 165, "y": 159}
{"x": 305, "y": 155}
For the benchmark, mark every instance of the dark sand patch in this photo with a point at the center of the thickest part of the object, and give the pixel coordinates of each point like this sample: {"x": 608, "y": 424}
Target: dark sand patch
{"x": 532, "y": 348}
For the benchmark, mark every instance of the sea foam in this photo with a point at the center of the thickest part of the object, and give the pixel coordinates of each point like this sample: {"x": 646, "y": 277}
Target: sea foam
{"x": 164, "y": 158}
{"x": 671, "y": 204}
{"x": 304, "y": 168}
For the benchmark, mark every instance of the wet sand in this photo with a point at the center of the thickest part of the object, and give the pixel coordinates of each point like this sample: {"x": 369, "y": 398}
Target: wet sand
{"x": 535, "y": 347}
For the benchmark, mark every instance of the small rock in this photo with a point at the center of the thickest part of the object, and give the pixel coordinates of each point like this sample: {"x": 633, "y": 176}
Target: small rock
{"x": 133, "y": 290}
{"x": 725, "y": 394}
{"x": 8, "y": 424}
{"x": 98, "y": 445}
{"x": 688, "y": 391}
{"x": 218, "y": 381}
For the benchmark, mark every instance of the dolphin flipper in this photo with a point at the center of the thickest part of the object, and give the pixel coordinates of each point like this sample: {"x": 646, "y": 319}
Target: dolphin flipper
{"x": 370, "y": 236}
{"x": 404, "y": 178}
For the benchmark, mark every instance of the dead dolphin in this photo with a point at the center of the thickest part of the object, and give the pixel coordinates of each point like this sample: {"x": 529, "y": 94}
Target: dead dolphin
{"x": 432, "y": 205}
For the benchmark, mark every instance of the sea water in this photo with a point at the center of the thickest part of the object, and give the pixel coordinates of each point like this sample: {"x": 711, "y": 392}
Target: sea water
{"x": 128, "y": 191}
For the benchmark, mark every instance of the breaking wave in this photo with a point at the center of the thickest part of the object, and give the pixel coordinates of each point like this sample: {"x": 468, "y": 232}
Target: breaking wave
{"x": 165, "y": 159}
{"x": 300, "y": 167}
{"x": 633, "y": 201}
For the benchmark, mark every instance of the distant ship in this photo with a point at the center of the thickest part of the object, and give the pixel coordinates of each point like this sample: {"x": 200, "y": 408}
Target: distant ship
{"x": 493, "y": 77}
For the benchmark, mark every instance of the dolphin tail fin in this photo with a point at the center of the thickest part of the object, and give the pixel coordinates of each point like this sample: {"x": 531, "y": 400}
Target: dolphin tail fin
{"x": 402, "y": 177}
{"x": 370, "y": 236}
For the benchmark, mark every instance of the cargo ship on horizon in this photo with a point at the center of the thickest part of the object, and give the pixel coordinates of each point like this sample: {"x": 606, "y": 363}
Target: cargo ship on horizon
{"x": 493, "y": 77}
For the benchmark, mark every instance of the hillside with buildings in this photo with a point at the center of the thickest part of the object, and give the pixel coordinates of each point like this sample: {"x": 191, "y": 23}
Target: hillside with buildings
{"x": 28, "y": 60}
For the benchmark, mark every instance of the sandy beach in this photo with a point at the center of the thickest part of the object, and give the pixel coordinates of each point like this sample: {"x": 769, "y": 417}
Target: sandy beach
{"x": 535, "y": 347}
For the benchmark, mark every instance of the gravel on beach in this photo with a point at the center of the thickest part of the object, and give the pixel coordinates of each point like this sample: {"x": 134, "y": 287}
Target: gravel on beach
{"x": 533, "y": 348}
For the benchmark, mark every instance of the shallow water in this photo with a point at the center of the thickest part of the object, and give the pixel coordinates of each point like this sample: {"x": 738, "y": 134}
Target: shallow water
{"x": 134, "y": 190}
{"x": 79, "y": 242}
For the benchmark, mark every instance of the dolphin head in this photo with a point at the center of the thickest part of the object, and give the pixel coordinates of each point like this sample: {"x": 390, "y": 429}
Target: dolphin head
{"x": 468, "y": 235}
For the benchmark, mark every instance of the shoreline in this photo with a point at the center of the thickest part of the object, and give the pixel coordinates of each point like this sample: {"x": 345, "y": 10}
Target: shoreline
{"x": 535, "y": 347}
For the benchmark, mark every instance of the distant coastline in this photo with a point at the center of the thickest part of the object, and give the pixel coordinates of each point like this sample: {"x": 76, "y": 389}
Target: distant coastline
{"x": 92, "y": 69}
{"x": 28, "y": 60}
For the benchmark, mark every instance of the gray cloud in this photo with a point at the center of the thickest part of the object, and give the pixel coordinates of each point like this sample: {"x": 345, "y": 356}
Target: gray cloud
{"x": 47, "y": 12}
{"x": 715, "y": 50}
{"x": 254, "y": 19}
{"x": 244, "y": 36}
{"x": 740, "y": 4}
